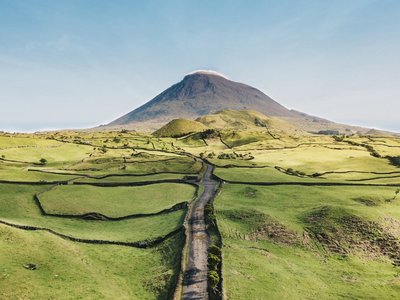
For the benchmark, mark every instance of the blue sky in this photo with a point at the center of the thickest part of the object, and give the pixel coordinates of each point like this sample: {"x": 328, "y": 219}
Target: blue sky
{"x": 80, "y": 63}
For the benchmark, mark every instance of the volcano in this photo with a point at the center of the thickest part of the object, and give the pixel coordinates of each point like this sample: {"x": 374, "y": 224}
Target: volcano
{"x": 206, "y": 92}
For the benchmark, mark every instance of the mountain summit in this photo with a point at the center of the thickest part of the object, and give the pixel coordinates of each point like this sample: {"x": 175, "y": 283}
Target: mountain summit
{"x": 208, "y": 72}
{"x": 201, "y": 93}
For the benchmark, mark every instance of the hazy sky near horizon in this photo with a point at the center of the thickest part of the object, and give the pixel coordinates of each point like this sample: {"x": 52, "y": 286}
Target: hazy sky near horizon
{"x": 81, "y": 63}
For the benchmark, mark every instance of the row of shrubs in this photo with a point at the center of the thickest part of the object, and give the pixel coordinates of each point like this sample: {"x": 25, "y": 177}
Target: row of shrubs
{"x": 233, "y": 155}
{"x": 369, "y": 148}
{"x": 394, "y": 160}
{"x": 294, "y": 172}
{"x": 214, "y": 258}
{"x": 214, "y": 267}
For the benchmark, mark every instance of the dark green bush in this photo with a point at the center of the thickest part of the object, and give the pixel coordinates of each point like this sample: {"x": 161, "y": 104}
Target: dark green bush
{"x": 215, "y": 250}
{"x": 213, "y": 261}
{"x": 213, "y": 279}
{"x": 394, "y": 160}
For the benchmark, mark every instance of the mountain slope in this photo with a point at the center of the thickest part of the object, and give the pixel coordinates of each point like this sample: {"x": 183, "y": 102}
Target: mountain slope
{"x": 198, "y": 94}
{"x": 206, "y": 92}
{"x": 246, "y": 120}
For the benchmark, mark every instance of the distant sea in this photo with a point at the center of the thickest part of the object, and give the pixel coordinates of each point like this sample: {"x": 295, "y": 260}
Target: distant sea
{"x": 34, "y": 127}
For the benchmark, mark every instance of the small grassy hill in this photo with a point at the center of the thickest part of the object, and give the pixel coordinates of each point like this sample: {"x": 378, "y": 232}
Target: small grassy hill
{"x": 179, "y": 127}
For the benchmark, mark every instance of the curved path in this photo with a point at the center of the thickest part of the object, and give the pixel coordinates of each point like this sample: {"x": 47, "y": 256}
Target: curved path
{"x": 195, "y": 277}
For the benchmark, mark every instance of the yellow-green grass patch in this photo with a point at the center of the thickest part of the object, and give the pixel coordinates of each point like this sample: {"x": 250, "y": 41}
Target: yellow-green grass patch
{"x": 115, "y": 201}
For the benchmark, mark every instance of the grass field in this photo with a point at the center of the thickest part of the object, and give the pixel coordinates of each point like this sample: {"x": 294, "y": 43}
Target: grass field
{"x": 270, "y": 174}
{"x": 72, "y": 270}
{"x": 310, "y": 242}
{"x": 67, "y": 270}
{"x": 115, "y": 201}
{"x": 18, "y": 207}
{"x": 269, "y": 253}
{"x": 134, "y": 178}
{"x": 13, "y": 173}
{"x": 279, "y": 242}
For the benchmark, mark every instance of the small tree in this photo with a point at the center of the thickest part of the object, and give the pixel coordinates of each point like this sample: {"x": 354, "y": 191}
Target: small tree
{"x": 43, "y": 161}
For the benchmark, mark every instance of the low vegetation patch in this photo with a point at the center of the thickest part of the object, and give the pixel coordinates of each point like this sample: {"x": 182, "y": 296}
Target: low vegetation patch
{"x": 214, "y": 258}
{"x": 209, "y": 134}
{"x": 369, "y": 148}
{"x": 342, "y": 233}
{"x": 261, "y": 226}
{"x": 376, "y": 200}
{"x": 276, "y": 232}
{"x": 394, "y": 160}
{"x": 250, "y": 192}
{"x": 368, "y": 201}
{"x": 234, "y": 155}
{"x": 292, "y": 172}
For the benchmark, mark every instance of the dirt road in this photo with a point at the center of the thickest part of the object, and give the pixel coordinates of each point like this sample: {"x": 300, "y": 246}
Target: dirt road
{"x": 195, "y": 278}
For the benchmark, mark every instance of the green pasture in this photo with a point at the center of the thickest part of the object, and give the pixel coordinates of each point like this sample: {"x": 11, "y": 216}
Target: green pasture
{"x": 18, "y": 207}
{"x": 133, "y": 178}
{"x": 280, "y": 242}
{"x": 114, "y": 201}
{"x": 68, "y": 270}
{"x": 14, "y": 172}
{"x": 262, "y": 266}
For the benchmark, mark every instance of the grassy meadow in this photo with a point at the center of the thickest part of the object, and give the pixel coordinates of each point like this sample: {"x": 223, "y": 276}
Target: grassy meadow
{"x": 310, "y": 241}
{"x": 68, "y": 270}
{"x": 35, "y": 164}
{"x": 115, "y": 201}
{"x": 273, "y": 249}
{"x": 301, "y": 216}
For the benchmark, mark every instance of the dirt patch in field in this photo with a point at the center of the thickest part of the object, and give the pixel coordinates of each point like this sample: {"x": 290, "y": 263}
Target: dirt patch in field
{"x": 261, "y": 226}
{"x": 250, "y": 192}
{"x": 374, "y": 201}
{"x": 392, "y": 226}
{"x": 343, "y": 233}
{"x": 276, "y": 232}
{"x": 251, "y": 218}
{"x": 367, "y": 201}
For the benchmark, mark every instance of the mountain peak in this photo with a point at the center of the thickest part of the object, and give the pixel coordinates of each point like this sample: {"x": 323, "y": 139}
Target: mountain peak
{"x": 200, "y": 93}
{"x": 207, "y": 72}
